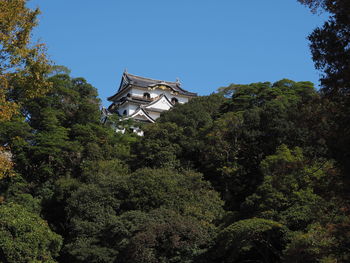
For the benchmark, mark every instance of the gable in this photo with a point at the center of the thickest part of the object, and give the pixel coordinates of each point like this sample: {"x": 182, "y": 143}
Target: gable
{"x": 141, "y": 115}
{"x": 162, "y": 103}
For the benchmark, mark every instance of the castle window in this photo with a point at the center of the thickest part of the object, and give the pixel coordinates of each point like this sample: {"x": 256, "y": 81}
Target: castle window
{"x": 125, "y": 112}
{"x": 174, "y": 100}
{"x": 146, "y": 95}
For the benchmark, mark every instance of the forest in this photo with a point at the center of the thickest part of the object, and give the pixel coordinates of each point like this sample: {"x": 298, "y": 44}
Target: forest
{"x": 257, "y": 172}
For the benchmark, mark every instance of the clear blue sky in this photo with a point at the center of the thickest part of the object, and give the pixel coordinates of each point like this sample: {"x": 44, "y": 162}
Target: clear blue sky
{"x": 207, "y": 44}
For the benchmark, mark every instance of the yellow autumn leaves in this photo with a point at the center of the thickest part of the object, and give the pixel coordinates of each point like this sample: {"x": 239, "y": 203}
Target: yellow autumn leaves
{"x": 23, "y": 66}
{"x": 6, "y": 164}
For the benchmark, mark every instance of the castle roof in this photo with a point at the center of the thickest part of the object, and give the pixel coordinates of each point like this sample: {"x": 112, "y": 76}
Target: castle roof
{"x": 129, "y": 79}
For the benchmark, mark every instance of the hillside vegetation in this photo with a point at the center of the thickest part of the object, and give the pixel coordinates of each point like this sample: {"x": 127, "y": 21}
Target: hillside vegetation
{"x": 251, "y": 173}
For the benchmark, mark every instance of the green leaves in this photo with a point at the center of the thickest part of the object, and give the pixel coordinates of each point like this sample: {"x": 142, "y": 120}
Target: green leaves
{"x": 160, "y": 146}
{"x": 25, "y": 237}
{"x": 316, "y": 245}
{"x": 288, "y": 191}
{"x": 186, "y": 193}
{"x": 149, "y": 215}
{"x": 253, "y": 239}
{"x": 167, "y": 237}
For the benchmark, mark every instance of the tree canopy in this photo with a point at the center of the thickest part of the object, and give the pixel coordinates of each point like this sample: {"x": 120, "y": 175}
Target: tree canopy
{"x": 252, "y": 173}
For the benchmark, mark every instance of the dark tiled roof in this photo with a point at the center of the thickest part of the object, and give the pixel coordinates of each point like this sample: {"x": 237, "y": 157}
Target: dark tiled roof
{"x": 146, "y": 83}
{"x": 135, "y": 99}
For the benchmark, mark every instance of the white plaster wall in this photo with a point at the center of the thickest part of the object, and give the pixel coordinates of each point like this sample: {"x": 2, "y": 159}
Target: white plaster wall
{"x": 121, "y": 110}
{"x": 154, "y": 115}
{"x": 163, "y": 104}
{"x": 155, "y": 93}
{"x": 137, "y": 92}
{"x": 130, "y": 109}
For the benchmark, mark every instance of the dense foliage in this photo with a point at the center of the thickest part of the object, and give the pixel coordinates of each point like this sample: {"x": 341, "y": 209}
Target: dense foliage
{"x": 20, "y": 61}
{"x": 252, "y": 173}
{"x": 331, "y": 53}
{"x": 25, "y": 237}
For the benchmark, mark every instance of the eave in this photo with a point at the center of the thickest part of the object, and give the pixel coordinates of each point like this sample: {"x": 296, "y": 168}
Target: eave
{"x": 140, "y": 111}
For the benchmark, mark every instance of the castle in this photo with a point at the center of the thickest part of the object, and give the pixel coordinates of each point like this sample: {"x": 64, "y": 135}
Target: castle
{"x": 144, "y": 99}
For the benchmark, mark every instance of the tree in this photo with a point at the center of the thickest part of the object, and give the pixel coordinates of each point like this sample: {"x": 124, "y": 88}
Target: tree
{"x": 331, "y": 53}
{"x": 255, "y": 240}
{"x": 330, "y": 47}
{"x": 314, "y": 5}
{"x": 185, "y": 192}
{"x": 23, "y": 67}
{"x": 110, "y": 215}
{"x": 167, "y": 237}
{"x": 19, "y": 60}
{"x": 293, "y": 191}
{"x": 254, "y": 122}
{"x": 60, "y": 131}
{"x": 160, "y": 146}
{"x": 25, "y": 237}
{"x": 176, "y": 139}
{"x": 316, "y": 245}
{"x": 5, "y": 163}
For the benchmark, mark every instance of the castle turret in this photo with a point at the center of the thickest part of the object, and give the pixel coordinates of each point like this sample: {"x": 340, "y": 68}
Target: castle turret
{"x": 143, "y": 99}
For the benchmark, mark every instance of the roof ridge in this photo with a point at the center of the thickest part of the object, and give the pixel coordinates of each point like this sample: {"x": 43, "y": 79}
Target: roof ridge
{"x": 173, "y": 82}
